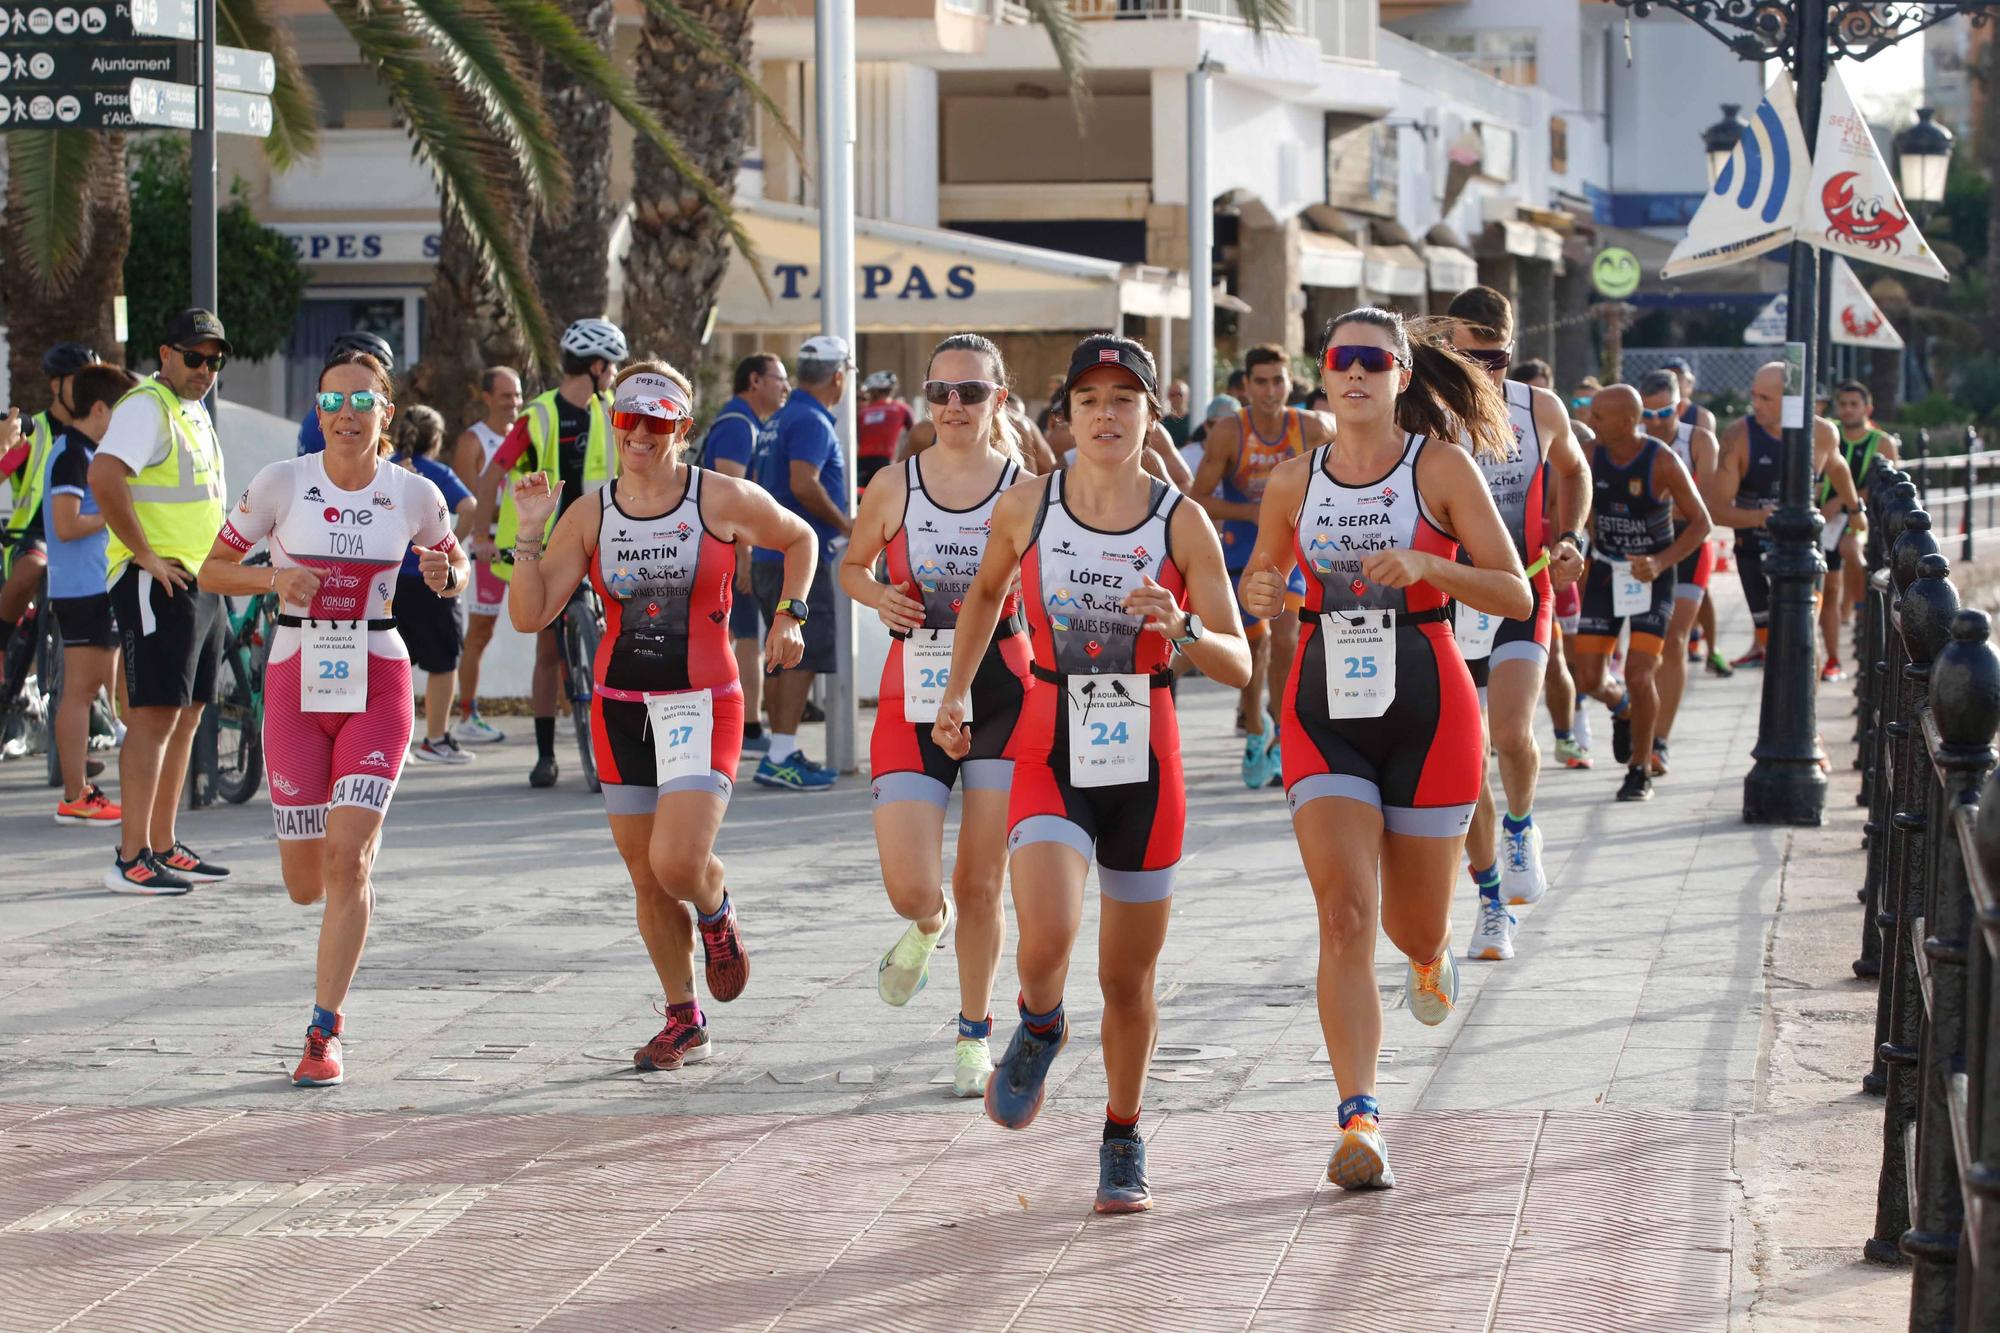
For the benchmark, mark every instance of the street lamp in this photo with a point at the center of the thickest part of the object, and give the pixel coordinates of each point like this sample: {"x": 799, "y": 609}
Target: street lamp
{"x": 1720, "y": 139}
{"x": 1923, "y": 159}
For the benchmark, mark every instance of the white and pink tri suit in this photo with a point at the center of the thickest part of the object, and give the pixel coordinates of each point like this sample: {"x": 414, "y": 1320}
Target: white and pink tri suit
{"x": 355, "y": 541}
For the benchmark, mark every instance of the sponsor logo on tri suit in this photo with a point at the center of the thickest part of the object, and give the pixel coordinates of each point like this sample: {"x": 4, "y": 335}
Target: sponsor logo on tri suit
{"x": 927, "y": 526}
{"x": 381, "y": 501}
{"x": 375, "y": 759}
{"x": 312, "y": 493}
{"x": 356, "y": 789}
{"x": 1064, "y": 548}
{"x": 284, "y": 784}
{"x": 243, "y": 506}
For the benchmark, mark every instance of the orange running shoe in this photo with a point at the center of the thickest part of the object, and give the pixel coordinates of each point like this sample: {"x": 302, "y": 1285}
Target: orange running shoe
{"x": 93, "y": 807}
{"x": 321, "y": 1066}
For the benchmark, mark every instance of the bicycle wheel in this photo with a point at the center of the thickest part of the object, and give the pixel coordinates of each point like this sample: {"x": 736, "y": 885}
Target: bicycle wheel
{"x": 49, "y": 680}
{"x": 580, "y": 647}
{"x": 239, "y": 728}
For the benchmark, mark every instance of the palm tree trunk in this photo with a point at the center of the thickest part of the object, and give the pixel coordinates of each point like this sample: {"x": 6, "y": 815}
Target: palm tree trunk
{"x": 81, "y": 308}
{"x": 466, "y": 329}
{"x": 572, "y": 249}
{"x": 680, "y": 250}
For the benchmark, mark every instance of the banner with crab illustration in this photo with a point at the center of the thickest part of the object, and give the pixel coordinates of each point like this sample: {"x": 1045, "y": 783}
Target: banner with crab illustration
{"x": 1855, "y": 320}
{"x": 1842, "y": 200}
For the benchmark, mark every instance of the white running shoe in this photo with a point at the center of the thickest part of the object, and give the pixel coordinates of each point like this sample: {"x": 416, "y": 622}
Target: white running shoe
{"x": 906, "y": 968}
{"x": 440, "y": 751}
{"x": 1521, "y": 878}
{"x": 1432, "y": 989}
{"x": 972, "y": 1067}
{"x": 476, "y": 730}
{"x": 1493, "y": 941}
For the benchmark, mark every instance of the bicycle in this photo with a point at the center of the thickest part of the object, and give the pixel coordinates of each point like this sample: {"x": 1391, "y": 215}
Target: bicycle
{"x": 31, "y": 682}
{"x": 239, "y": 694}
{"x": 581, "y": 628}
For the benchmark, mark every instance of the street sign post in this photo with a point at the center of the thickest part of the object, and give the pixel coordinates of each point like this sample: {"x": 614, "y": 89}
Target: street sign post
{"x": 84, "y": 109}
{"x": 177, "y": 106}
{"x": 238, "y": 70}
{"x": 27, "y": 67}
{"x": 165, "y": 18}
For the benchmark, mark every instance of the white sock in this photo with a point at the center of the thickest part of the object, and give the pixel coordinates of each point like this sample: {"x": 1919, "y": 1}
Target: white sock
{"x": 783, "y": 746}
{"x": 1580, "y": 726}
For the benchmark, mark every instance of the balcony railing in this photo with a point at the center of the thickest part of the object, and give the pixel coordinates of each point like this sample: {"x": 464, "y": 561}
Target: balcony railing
{"x": 1206, "y": 11}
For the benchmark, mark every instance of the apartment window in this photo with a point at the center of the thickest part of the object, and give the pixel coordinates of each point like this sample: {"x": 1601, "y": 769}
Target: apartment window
{"x": 351, "y": 98}
{"x": 1558, "y": 145}
{"x": 1506, "y": 54}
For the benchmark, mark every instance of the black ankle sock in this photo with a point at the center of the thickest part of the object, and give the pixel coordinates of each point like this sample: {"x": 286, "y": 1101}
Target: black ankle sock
{"x": 545, "y": 737}
{"x": 752, "y": 730}
{"x": 1114, "y": 1128}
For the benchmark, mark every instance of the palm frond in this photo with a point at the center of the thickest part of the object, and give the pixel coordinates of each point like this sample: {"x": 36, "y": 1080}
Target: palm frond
{"x": 294, "y": 107}
{"x": 1055, "y": 18}
{"x": 591, "y": 68}
{"x": 1263, "y": 15}
{"x": 48, "y": 181}
{"x": 464, "y": 40}
{"x": 704, "y": 37}
{"x": 469, "y": 165}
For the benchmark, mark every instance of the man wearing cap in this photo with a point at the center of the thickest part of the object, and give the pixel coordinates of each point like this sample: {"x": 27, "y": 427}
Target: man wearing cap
{"x": 803, "y": 470}
{"x": 157, "y": 478}
{"x": 24, "y": 461}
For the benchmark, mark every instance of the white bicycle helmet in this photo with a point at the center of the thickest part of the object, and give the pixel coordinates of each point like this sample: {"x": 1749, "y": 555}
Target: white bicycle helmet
{"x": 595, "y": 339}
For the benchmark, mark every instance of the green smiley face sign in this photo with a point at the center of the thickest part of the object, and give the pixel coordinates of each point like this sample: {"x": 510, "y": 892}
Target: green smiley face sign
{"x": 1615, "y": 273}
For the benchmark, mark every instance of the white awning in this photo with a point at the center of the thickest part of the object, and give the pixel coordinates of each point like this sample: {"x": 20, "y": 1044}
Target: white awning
{"x": 1529, "y": 240}
{"x": 1395, "y": 270}
{"x": 918, "y": 278}
{"x": 1326, "y": 260}
{"x": 1451, "y": 269}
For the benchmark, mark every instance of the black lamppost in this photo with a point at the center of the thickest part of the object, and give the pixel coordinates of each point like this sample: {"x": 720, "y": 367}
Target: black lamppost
{"x": 1786, "y": 785}
{"x": 1719, "y": 140}
{"x": 1923, "y": 160}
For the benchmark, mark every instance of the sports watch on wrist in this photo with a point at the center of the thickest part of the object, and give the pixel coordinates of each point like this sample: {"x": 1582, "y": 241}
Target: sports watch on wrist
{"x": 793, "y": 607}
{"x": 1190, "y": 634}
{"x": 1576, "y": 539}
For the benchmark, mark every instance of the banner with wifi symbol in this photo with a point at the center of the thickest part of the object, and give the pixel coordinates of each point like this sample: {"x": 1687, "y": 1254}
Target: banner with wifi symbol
{"x": 1756, "y": 201}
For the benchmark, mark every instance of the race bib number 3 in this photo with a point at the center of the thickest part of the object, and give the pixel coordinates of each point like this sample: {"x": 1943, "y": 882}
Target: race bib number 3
{"x": 1630, "y": 596}
{"x": 1110, "y": 730}
{"x": 682, "y": 726}
{"x": 1475, "y": 631}
{"x": 926, "y": 672}
{"x": 1360, "y": 662}
{"x": 333, "y": 667}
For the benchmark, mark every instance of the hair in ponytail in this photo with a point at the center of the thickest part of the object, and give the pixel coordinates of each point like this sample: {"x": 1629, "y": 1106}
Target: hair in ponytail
{"x": 1449, "y": 396}
{"x": 1001, "y": 437}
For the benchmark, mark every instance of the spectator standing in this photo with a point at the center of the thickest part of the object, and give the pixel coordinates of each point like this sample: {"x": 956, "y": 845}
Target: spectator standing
{"x": 500, "y": 396}
{"x": 1177, "y": 422}
{"x": 24, "y": 461}
{"x": 77, "y": 543}
{"x": 743, "y": 426}
{"x": 803, "y": 470}
{"x": 158, "y": 480}
{"x": 880, "y": 426}
{"x": 427, "y": 621}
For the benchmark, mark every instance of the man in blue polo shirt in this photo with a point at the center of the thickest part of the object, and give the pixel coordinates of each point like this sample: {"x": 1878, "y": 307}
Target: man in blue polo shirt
{"x": 733, "y": 437}
{"x": 804, "y": 471}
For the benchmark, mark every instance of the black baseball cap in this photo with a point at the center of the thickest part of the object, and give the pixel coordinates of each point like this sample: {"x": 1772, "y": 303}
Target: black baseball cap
{"x": 1104, "y": 350}
{"x": 194, "y": 326}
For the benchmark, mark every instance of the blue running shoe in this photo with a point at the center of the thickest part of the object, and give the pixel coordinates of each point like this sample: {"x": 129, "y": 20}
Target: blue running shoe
{"x": 1014, "y": 1093}
{"x": 795, "y": 773}
{"x": 758, "y": 744}
{"x": 1256, "y": 760}
{"x": 1121, "y": 1177}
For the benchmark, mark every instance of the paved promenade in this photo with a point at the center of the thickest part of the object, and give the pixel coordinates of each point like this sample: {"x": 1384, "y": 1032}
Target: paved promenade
{"x": 1567, "y": 1145}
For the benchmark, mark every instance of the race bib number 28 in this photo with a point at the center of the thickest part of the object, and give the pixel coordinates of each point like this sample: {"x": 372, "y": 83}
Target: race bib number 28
{"x": 333, "y": 667}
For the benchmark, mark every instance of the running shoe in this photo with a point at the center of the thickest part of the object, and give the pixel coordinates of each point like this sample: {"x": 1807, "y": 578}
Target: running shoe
{"x": 142, "y": 874}
{"x": 320, "y": 1067}
{"x": 1521, "y": 878}
{"x": 813, "y": 713}
{"x": 1275, "y": 757}
{"x": 1621, "y": 737}
{"x": 1831, "y": 671}
{"x": 724, "y": 960}
{"x": 1020, "y": 1081}
{"x": 1493, "y": 942}
{"x": 758, "y": 744}
{"x": 1694, "y": 648}
{"x": 1256, "y": 760}
{"x": 473, "y": 729}
{"x": 93, "y": 768}
{"x": 679, "y": 1043}
{"x": 443, "y": 750}
{"x": 1432, "y": 988}
{"x": 1361, "y": 1160}
{"x": 93, "y": 807}
{"x": 184, "y": 861}
{"x": 1121, "y": 1177}
{"x": 1718, "y": 665}
{"x": 543, "y": 774}
{"x": 1658, "y": 766}
{"x": 796, "y": 773}
{"x": 1638, "y": 785}
{"x": 971, "y": 1067}
{"x": 1572, "y": 754}
{"x": 1753, "y": 658}
{"x": 906, "y": 968}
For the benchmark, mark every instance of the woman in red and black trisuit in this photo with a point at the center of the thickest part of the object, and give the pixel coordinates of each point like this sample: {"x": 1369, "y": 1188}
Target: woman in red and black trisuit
{"x": 1108, "y": 559}
{"x": 930, "y": 517}
{"x": 659, "y": 545}
{"x": 1383, "y": 749}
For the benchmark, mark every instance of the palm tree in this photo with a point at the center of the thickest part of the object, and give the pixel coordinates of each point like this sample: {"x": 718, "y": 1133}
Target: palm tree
{"x": 582, "y": 121}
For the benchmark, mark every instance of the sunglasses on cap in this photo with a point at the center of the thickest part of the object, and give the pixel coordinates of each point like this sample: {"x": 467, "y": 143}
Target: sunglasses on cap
{"x": 970, "y": 392}
{"x": 194, "y": 360}
{"x": 364, "y": 400}
{"x": 1372, "y": 359}
{"x": 1493, "y": 358}
{"x": 649, "y": 422}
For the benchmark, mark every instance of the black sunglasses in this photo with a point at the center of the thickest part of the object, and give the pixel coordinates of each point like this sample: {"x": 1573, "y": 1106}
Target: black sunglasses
{"x": 194, "y": 360}
{"x": 1373, "y": 359}
{"x": 969, "y": 392}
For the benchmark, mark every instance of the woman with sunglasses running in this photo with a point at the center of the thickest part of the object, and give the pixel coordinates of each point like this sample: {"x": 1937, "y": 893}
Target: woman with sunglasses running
{"x": 1109, "y": 561}
{"x": 1383, "y": 750}
{"x": 338, "y": 704}
{"x": 658, "y": 544}
{"x": 931, "y": 517}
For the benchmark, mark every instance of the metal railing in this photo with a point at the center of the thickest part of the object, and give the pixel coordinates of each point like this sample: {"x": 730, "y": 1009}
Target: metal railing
{"x": 1961, "y": 493}
{"x": 1210, "y": 11}
{"x": 1929, "y": 707}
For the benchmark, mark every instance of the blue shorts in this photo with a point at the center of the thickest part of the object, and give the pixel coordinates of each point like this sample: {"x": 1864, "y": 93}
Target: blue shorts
{"x": 745, "y": 622}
